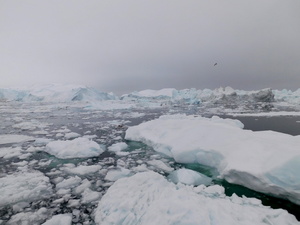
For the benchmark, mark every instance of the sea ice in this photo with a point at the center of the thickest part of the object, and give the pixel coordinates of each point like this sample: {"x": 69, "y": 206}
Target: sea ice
{"x": 72, "y": 135}
{"x": 148, "y": 198}
{"x": 29, "y": 218}
{"x": 82, "y": 170}
{"x": 14, "y": 138}
{"x": 77, "y": 148}
{"x": 89, "y": 196}
{"x": 189, "y": 177}
{"x": 264, "y": 161}
{"x": 60, "y": 219}
{"x": 115, "y": 174}
{"x": 117, "y": 147}
{"x": 160, "y": 165}
{"x": 24, "y": 186}
{"x": 7, "y": 153}
{"x": 68, "y": 183}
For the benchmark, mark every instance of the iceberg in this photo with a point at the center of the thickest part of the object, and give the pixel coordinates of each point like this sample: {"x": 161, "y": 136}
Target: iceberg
{"x": 264, "y": 161}
{"x": 55, "y": 93}
{"x": 77, "y": 148}
{"x": 148, "y": 198}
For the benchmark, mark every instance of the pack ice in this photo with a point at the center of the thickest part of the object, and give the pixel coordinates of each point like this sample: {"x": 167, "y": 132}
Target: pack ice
{"x": 264, "y": 161}
{"x": 148, "y": 198}
{"x": 24, "y": 186}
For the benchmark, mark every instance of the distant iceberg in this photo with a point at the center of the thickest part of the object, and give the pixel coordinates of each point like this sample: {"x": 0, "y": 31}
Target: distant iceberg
{"x": 55, "y": 93}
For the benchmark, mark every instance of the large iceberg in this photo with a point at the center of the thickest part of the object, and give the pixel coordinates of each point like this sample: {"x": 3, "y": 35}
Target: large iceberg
{"x": 148, "y": 198}
{"x": 55, "y": 93}
{"x": 226, "y": 96}
{"x": 264, "y": 161}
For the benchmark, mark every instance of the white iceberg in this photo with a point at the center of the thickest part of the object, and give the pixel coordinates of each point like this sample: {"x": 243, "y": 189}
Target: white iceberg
{"x": 148, "y": 198}
{"x": 25, "y": 186}
{"x": 78, "y": 148}
{"x": 264, "y": 161}
{"x": 55, "y": 93}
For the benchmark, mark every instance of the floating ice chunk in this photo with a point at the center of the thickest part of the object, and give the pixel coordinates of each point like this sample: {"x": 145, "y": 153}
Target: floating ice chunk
{"x": 30, "y": 125}
{"x": 89, "y": 196}
{"x": 24, "y": 187}
{"x": 68, "y": 183}
{"x": 41, "y": 141}
{"x": 118, "y": 147}
{"x": 14, "y": 138}
{"x": 60, "y": 219}
{"x": 28, "y": 218}
{"x": 148, "y": 198}
{"x": 77, "y": 148}
{"x": 72, "y": 135}
{"x": 83, "y": 170}
{"x": 83, "y": 186}
{"x": 115, "y": 174}
{"x": 189, "y": 177}
{"x": 264, "y": 161}
{"x": 110, "y": 105}
{"x": 160, "y": 165}
{"x": 7, "y": 153}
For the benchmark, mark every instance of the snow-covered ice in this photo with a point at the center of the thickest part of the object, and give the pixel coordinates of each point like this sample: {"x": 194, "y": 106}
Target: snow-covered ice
{"x": 14, "y": 138}
{"x": 148, "y": 198}
{"x": 115, "y": 174}
{"x": 264, "y": 161}
{"x": 60, "y": 219}
{"x": 10, "y": 152}
{"x": 77, "y": 148}
{"x": 189, "y": 177}
{"x": 24, "y": 187}
{"x": 117, "y": 147}
{"x": 82, "y": 170}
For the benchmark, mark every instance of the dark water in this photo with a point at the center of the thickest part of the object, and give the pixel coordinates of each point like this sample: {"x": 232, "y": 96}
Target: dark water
{"x": 284, "y": 124}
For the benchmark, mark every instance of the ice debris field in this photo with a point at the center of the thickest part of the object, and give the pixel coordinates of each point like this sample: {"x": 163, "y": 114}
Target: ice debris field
{"x": 71, "y": 154}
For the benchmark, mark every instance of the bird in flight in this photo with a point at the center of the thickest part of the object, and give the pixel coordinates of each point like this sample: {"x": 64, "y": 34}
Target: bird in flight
{"x": 215, "y": 64}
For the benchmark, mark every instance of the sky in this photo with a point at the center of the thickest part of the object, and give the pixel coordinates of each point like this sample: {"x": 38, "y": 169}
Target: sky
{"x": 123, "y": 46}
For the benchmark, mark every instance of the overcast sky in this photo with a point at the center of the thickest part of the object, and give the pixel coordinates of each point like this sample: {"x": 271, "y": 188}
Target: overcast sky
{"x": 121, "y": 46}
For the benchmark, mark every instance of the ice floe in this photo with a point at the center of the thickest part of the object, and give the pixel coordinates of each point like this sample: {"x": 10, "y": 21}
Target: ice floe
{"x": 24, "y": 187}
{"x": 148, "y": 198}
{"x": 82, "y": 170}
{"x": 14, "y": 138}
{"x": 264, "y": 161}
{"x": 78, "y": 148}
